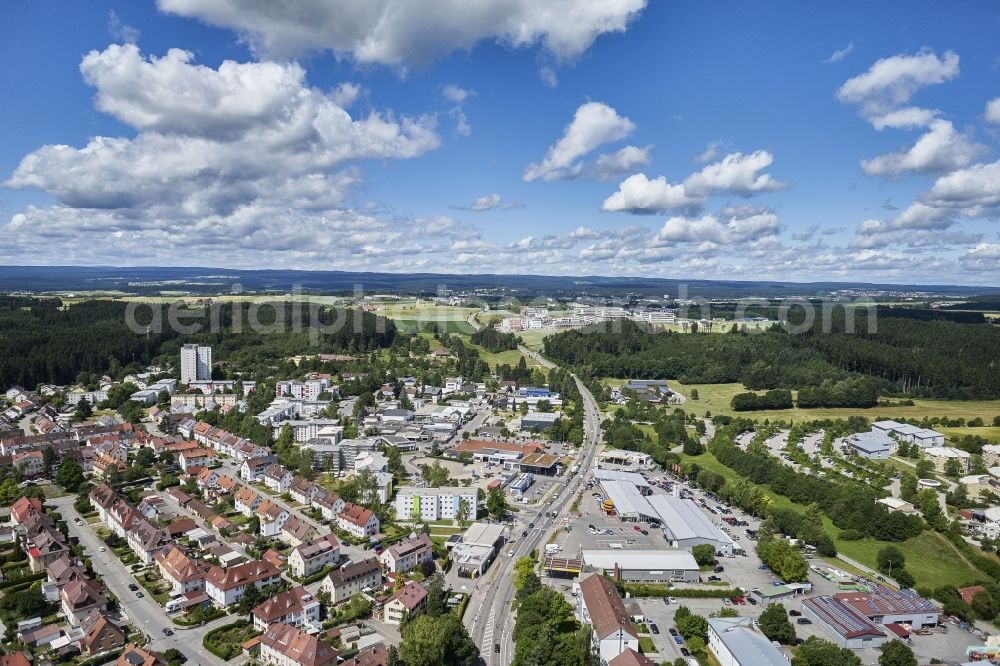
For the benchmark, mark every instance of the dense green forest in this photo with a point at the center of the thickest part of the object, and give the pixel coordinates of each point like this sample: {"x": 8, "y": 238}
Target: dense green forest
{"x": 41, "y": 341}
{"x": 493, "y": 340}
{"x": 897, "y": 356}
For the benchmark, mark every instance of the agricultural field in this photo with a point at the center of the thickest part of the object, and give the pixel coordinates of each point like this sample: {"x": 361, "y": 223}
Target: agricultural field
{"x": 716, "y": 398}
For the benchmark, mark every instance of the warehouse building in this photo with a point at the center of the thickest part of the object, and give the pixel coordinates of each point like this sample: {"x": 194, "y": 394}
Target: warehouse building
{"x": 540, "y": 421}
{"x": 846, "y": 626}
{"x": 685, "y": 526}
{"x": 735, "y": 642}
{"x": 643, "y": 566}
{"x": 630, "y": 505}
{"x": 546, "y": 464}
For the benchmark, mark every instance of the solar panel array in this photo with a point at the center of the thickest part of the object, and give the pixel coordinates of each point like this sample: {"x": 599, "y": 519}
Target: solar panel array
{"x": 841, "y": 617}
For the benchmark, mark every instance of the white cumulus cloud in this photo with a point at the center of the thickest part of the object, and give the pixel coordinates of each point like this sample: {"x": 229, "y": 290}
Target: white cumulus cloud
{"x": 993, "y": 111}
{"x": 940, "y": 149}
{"x": 892, "y": 81}
{"x": 400, "y": 32}
{"x": 736, "y": 174}
{"x": 626, "y": 160}
{"x": 594, "y": 124}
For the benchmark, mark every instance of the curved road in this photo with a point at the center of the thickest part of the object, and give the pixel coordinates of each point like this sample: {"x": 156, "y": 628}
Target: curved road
{"x": 488, "y": 617}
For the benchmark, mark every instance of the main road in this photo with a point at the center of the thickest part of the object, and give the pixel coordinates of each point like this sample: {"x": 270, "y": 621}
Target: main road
{"x": 489, "y": 617}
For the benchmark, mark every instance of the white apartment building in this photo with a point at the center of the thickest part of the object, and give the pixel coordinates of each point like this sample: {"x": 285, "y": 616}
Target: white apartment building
{"x": 196, "y": 363}
{"x": 434, "y": 503}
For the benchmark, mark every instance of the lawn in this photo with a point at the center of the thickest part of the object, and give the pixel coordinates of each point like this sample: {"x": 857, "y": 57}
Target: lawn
{"x": 646, "y": 645}
{"x": 931, "y": 559}
{"x": 991, "y": 433}
{"x": 225, "y": 642}
{"x": 717, "y": 397}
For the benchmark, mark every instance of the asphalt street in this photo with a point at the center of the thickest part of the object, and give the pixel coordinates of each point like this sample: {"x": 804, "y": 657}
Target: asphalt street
{"x": 488, "y": 617}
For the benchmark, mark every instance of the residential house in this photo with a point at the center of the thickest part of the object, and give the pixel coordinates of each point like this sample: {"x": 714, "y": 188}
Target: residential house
{"x": 31, "y": 464}
{"x": 23, "y": 508}
{"x": 600, "y": 606}
{"x": 358, "y": 521}
{"x": 406, "y": 601}
{"x": 303, "y": 490}
{"x": 329, "y": 504}
{"x": 310, "y": 557}
{"x": 284, "y": 645}
{"x": 246, "y": 500}
{"x": 44, "y": 548}
{"x": 195, "y": 458}
{"x": 296, "y": 607}
{"x": 277, "y": 478}
{"x": 296, "y": 531}
{"x": 79, "y": 597}
{"x": 252, "y": 469}
{"x": 184, "y": 573}
{"x": 226, "y": 587}
{"x": 133, "y": 655}
{"x": 430, "y": 504}
{"x": 100, "y": 633}
{"x": 351, "y": 579}
{"x": 940, "y": 455}
{"x": 407, "y": 554}
{"x": 272, "y": 516}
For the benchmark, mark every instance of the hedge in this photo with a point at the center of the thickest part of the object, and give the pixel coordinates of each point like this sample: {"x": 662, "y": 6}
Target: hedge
{"x": 105, "y": 658}
{"x": 23, "y": 579}
{"x": 653, "y": 590}
{"x": 209, "y": 640}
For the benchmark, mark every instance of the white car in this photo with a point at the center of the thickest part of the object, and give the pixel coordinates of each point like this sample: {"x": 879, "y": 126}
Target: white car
{"x": 103, "y": 549}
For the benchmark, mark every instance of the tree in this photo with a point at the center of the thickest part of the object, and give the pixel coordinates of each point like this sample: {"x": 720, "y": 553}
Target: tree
{"x": 465, "y": 509}
{"x": 83, "y": 410}
{"x": 889, "y": 558}
{"x": 496, "y": 503}
{"x": 145, "y": 457}
{"x": 983, "y": 605}
{"x": 924, "y": 468}
{"x": 820, "y": 652}
{"x": 952, "y": 467}
{"x": 437, "y": 641}
{"x": 689, "y": 624}
{"x": 694, "y": 394}
{"x": 774, "y": 624}
{"x": 896, "y": 653}
{"x": 908, "y": 487}
{"x": 704, "y": 554}
{"x": 523, "y": 567}
{"x": 70, "y": 476}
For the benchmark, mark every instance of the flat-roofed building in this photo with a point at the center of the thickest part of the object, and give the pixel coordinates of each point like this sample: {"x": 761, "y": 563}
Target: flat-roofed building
{"x": 735, "y": 642}
{"x": 940, "y": 455}
{"x": 846, "y": 626}
{"x": 628, "y": 503}
{"x": 633, "y": 566}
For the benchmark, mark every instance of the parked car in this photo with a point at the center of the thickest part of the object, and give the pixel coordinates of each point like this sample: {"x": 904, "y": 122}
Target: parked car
{"x": 794, "y": 613}
{"x": 714, "y": 578}
{"x": 671, "y": 600}
{"x": 719, "y": 569}
{"x": 167, "y": 631}
{"x": 654, "y": 628}
{"x": 133, "y": 587}
{"x": 678, "y": 640}
{"x": 496, "y": 648}
{"x": 637, "y": 528}
{"x": 751, "y": 601}
{"x": 103, "y": 549}
{"x": 645, "y": 532}
{"x": 803, "y": 620}
{"x": 673, "y": 632}
{"x": 139, "y": 595}
{"x": 726, "y": 602}
{"x": 685, "y": 652}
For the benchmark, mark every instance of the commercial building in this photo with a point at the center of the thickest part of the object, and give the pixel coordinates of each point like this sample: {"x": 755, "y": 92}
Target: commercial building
{"x": 504, "y": 454}
{"x": 196, "y": 363}
{"x": 476, "y": 548}
{"x": 875, "y": 445}
{"x": 637, "y": 480}
{"x": 635, "y": 566}
{"x": 626, "y": 458}
{"x": 905, "y": 432}
{"x": 538, "y": 421}
{"x": 625, "y": 500}
{"x": 685, "y": 526}
{"x": 847, "y": 627}
{"x": 600, "y": 606}
{"x": 734, "y": 642}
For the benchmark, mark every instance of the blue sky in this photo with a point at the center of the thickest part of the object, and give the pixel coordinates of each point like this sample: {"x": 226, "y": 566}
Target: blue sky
{"x": 850, "y": 141}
